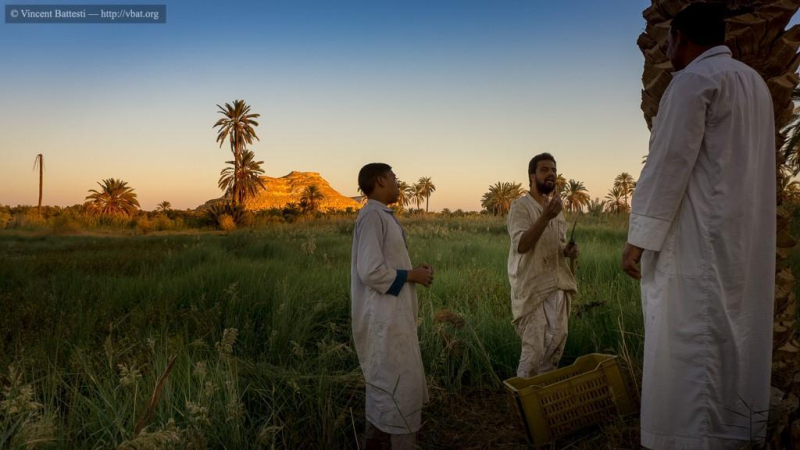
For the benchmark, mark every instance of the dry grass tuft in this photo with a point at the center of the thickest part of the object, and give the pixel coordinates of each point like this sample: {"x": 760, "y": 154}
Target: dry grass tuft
{"x": 445, "y": 316}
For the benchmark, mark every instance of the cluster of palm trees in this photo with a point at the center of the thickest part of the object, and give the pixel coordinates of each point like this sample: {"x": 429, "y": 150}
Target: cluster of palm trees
{"x": 242, "y": 180}
{"x": 310, "y": 200}
{"x": 497, "y": 200}
{"x": 416, "y": 193}
{"x": 576, "y": 197}
{"x": 116, "y": 199}
{"x": 616, "y": 200}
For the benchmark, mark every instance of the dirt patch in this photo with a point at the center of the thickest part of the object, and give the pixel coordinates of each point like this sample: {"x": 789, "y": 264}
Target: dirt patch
{"x": 484, "y": 419}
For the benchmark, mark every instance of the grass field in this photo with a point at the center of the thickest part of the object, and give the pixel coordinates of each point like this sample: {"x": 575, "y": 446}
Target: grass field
{"x": 257, "y": 322}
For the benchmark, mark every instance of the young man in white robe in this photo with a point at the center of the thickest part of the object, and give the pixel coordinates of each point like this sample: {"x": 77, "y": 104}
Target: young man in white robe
{"x": 384, "y": 314}
{"x": 542, "y": 284}
{"x": 702, "y": 240}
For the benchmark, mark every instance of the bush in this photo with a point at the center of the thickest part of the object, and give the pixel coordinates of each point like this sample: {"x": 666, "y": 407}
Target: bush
{"x": 65, "y": 224}
{"x": 226, "y": 223}
{"x": 143, "y": 225}
{"x": 214, "y": 212}
{"x": 247, "y": 219}
{"x": 5, "y": 218}
{"x": 179, "y": 224}
{"x": 268, "y": 217}
{"x": 27, "y": 219}
{"x": 163, "y": 223}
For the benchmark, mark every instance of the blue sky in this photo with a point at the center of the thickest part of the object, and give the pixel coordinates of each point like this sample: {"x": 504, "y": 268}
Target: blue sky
{"x": 465, "y": 92}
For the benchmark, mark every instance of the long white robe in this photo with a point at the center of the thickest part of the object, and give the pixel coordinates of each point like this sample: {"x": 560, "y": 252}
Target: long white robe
{"x": 536, "y": 274}
{"x": 542, "y": 286}
{"x": 384, "y": 313}
{"x": 704, "y": 210}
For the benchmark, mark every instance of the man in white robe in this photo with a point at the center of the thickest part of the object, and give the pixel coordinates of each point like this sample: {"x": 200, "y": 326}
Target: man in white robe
{"x": 703, "y": 226}
{"x": 542, "y": 285}
{"x": 384, "y": 315}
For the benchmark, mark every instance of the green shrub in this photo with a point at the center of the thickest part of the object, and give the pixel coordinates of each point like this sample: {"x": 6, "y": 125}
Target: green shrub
{"x": 65, "y": 224}
{"x": 163, "y": 223}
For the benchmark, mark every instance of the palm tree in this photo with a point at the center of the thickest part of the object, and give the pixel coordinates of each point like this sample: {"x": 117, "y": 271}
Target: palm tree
{"x": 626, "y": 184}
{"x": 39, "y": 161}
{"x": 427, "y": 187}
{"x": 773, "y": 57}
{"x": 292, "y": 209}
{"x": 561, "y": 182}
{"x": 791, "y": 133}
{"x": 405, "y": 195}
{"x": 238, "y": 127}
{"x": 311, "y": 197}
{"x": 575, "y": 196}
{"x": 163, "y": 207}
{"x": 497, "y": 200}
{"x": 614, "y": 201}
{"x": 417, "y": 195}
{"x": 115, "y": 198}
{"x": 247, "y": 179}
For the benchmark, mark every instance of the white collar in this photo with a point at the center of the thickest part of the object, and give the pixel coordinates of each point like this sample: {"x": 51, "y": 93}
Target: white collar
{"x": 713, "y": 51}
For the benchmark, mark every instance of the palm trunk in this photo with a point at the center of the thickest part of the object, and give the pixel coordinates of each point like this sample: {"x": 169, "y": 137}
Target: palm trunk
{"x": 41, "y": 182}
{"x": 427, "y": 201}
{"x": 236, "y": 163}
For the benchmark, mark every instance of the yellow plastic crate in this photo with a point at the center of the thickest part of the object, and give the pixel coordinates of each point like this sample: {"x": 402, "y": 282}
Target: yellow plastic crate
{"x": 566, "y": 400}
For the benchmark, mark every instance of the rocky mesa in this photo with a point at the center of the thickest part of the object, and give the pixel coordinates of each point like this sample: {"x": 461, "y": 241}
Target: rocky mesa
{"x": 289, "y": 189}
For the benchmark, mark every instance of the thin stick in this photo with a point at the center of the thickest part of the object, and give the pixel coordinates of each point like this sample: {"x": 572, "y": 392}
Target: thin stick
{"x": 355, "y": 433}
{"x": 147, "y": 414}
{"x": 626, "y": 355}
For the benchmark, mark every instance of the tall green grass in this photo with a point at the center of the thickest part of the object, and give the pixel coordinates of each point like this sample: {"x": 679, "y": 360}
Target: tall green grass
{"x": 89, "y": 324}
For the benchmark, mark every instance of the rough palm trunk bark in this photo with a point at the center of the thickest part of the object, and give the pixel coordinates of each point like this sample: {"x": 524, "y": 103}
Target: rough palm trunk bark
{"x": 235, "y": 196}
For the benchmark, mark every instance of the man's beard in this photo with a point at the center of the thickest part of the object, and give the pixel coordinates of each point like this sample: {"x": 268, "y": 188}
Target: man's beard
{"x": 544, "y": 188}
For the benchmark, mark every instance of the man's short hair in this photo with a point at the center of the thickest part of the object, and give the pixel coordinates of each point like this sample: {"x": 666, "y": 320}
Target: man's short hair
{"x": 535, "y": 161}
{"x": 701, "y": 23}
{"x": 369, "y": 174}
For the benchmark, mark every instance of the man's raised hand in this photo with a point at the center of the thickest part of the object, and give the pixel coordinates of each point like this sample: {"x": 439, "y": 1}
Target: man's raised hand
{"x": 553, "y": 207}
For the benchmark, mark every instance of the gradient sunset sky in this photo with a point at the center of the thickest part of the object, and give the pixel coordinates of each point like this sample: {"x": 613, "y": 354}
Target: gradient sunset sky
{"x": 465, "y": 92}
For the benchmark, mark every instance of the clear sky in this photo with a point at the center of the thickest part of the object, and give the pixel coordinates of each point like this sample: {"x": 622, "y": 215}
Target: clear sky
{"x": 465, "y": 92}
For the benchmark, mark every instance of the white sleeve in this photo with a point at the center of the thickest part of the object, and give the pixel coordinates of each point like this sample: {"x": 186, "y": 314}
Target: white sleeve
{"x": 674, "y": 145}
{"x": 370, "y": 262}
{"x": 519, "y": 221}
